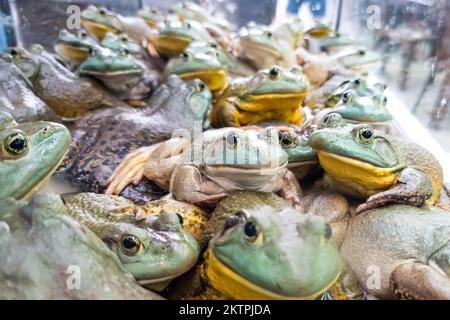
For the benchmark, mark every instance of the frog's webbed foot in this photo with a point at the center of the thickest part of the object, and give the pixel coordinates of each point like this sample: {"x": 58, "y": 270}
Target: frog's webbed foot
{"x": 130, "y": 170}
{"x": 412, "y": 188}
{"x": 187, "y": 184}
{"x": 413, "y": 280}
{"x": 291, "y": 191}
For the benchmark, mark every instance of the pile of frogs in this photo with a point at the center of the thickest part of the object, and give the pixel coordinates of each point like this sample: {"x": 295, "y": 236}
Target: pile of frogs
{"x": 213, "y": 164}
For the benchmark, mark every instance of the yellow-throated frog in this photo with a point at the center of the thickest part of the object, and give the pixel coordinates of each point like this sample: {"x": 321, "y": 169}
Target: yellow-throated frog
{"x": 271, "y": 94}
{"x": 153, "y": 248}
{"x": 215, "y": 163}
{"x": 74, "y": 48}
{"x": 103, "y": 138}
{"x": 260, "y": 248}
{"x": 120, "y": 73}
{"x": 366, "y": 164}
{"x": 152, "y": 16}
{"x": 62, "y": 90}
{"x": 46, "y": 254}
{"x": 30, "y": 153}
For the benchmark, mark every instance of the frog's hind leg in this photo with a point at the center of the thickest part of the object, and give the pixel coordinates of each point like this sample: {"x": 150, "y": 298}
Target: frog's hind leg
{"x": 413, "y": 280}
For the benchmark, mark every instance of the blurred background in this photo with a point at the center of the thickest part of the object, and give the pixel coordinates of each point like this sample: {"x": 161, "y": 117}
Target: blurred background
{"x": 413, "y": 37}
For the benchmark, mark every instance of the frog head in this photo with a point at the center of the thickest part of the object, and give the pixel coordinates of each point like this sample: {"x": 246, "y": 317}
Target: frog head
{"x": 28, "y": 65}
{"x": 74, "y": 47}
{"x": 98, "y": 21}
{"x": 188, "y": 10}
{"x": 242, "y": 159}
{"x": 355, "y": 152}
{"x": 175, "y": 36}
{"x": 363, "y": 105}
{"x": 267, "y": 253}
{"x": 120, "y": 43}
{"x": 200, "y": 62}
{"x": 357, "y": 59}
{"x": 335, "y": 41}
{"x": 277, "y": 86}
{"x": 30, "y": 153}
{"x": 151, "y": 16}
{"x": 199, "y": 99}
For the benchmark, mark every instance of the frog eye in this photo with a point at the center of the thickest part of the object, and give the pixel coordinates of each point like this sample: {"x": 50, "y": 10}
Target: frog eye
{"x": 124, "y": 38}
{"x": 346, "y": 97}
{"x": 268, "y": 34}
{"x": 366, "y": 135}
{"x": 188, "y": 25}
{"x": 124, "y": 52}
{"x": 13, "y": 52}
{"x": 332, "y": 119}
{"x": 200, "y": 86}
{"x": 384, "y": 100}
{"x": 252, "y": 232}
{"x": 357, "y": 82}
{"x": 213, "y": 45}
{"x": 130, "y": 245}
{"x": 186, "y": 56}
{"x": 82, "y": 34}
{"x": 287, "y": 141}
{"x": 361, "y": 52}
{"x": 180, "y": 218}
{"x": 102, "y": 11}
{"x": 274, "y": 73}
{"x": 232, "y": 140}
{"x": 15, "y": 144}
{"x": 92, "y": 52}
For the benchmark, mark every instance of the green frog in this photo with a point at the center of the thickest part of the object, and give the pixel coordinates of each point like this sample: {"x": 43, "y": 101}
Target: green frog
{"x": 175, "y": 36}
{"x": 364, "y": 163}
{"x": 260, "y": 248}
{"x": 152, "y": 16}
{"x": 258, "y": 46}
{"x": 271, "y": 94}
{"x": 200, "y": 62}
{"x": 335, "y": 42}
{"x": 62, "y": 90}
{"x": 101, "y": 139}
{"x": 120, "y": 73}
{"x": 46, "y": 254}
{"x": 400, "y": 251}
{"x": 215, "y": 163}
{"x": 17, "y": 97}
{"x": 74, "y": 48}
{"x": 30, "y": 153}
{"x": 98, "y": 21}
{"x": 217, "y": 27}
{"x": 153, "y": 248}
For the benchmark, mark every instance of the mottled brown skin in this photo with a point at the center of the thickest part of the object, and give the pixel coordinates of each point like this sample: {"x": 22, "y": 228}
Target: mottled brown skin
{"x": 103, "y": 138}
{"x": 17, "y": 97}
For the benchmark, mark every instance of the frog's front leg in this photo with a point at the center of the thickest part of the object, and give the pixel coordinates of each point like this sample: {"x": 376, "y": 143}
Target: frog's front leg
{"x": 187, "y": 184}
{"x": 412, "y": 188}
{"x": 414, "y": 280}
{"x": 225, "y": 114}
{"x": 291, "y": 191}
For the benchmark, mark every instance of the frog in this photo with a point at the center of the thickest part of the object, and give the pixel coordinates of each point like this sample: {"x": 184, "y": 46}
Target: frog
{"x": 152, "y": 16}
{"x": 218, "y": 28}
{"x": 290, "y": 32}
{"x": 98, "y": 21}
{"x": 200, "y": 62}
{"x": 368, "y": 165}
{"x": 46, "y": 254}
{"x": 17, "y": 96}
{"x": 174, "y": 36}
{"x": 31, "y": 152}
{"x": 320, "y": 30}
{"x": 270, "y": 94}
{"x": 120, "y": 73}
{"x": 204, "y": 170}
{"x": 154, "y": 248}
{"x": 408, "y": 245}
{"x": 68, "y": 95}
{"x": 74, "y": 48}
{"x": 335, "y": 43}
{"x": 102, "y": 138}
{"x": 245, "y": 232}
{"x": 257, "y": 46}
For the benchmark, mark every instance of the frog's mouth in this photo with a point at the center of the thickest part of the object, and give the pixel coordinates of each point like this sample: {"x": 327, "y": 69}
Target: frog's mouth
{"x": 215, "y": 79}
{"x": 287, "y": 101}
{"x": 112, "y": 74}
{"x": 349, "y": 170}
{"x": 249, "y": 45}
{"x": 248, "y": 169}
{"x": 97, "y": 29}
{"x": 235, "y": 286}
{"x": 79, "y": 53}
{"x": 170, "y": 44}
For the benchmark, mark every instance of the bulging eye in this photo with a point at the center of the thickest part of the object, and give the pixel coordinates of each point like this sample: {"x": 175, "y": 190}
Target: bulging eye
{"x": 13, "y": 53}
{"x": 15, "y": 144}
{"x": 213, "y": 45}
{"x": 346, "y": 97}
{"x": 365, "y": 135}
{"x": 252, "y": 232}
{"x": 361, "y": 52}
{"x": 102, "y": 11}
{"x": 200, "y": 87}
{"x": 188, "y": 25}
{"x": 287, "y": 141}
{"x": 232, "y": 140}
{"x": 357, "y": 82}
{"x": 180, "y": 218}
{"x": 130, "y": 245}
{"x": 92, "y": 52}
{"x": 82, "y": 34}
{"x": 268, "y": 34}
{"x": 384, "y": 100}
{"x": 332, "y": 119}
{"x": 274, "y": 73}
{"x": 124, "y": 52}
{"x": 124, "y": 39}
{"x": 185, "y": 56}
